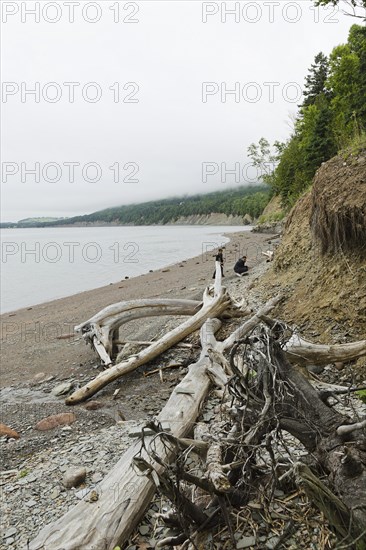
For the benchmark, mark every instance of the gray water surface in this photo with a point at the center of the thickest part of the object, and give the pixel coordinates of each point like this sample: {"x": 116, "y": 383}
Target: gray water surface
{"x": 43, "y": 264}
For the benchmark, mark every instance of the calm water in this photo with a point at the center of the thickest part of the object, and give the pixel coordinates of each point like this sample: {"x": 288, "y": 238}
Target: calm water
{"x": 43, "y": 264}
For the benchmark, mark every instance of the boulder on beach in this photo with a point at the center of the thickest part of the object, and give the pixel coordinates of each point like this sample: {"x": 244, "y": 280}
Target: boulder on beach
{"x": 8, "y": 432}
{"x": 54, "y": 421}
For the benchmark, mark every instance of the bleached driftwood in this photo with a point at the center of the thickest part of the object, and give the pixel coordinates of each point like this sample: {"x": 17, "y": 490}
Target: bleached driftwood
{"x": 303, "y": 352}
{"x": 212, "y": 307}
{"x": 123, "y": 495}
{"x": 101, "y": 329}
{"x": 269, "y": 255}
{"x": 248, "y": 325}
{"x": 148, "y": 343}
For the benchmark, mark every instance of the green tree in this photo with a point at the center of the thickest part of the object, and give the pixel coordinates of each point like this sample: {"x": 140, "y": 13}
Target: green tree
{"x": 347, "y": 82}
{"x": 265, "y": 159}
{"x": 354, "y": 8}
{"x": 332, "y": 114}
{"x": 315, "y": 82}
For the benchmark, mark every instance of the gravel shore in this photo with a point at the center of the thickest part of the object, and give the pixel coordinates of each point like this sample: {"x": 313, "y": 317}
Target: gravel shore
{"x": 40, "y": 369}
{"x": 36, "y": 361}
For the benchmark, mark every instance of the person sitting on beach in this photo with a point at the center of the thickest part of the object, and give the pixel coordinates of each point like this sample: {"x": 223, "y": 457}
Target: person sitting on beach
{"x": 240, "y": 267}
{"x": 219, "y": 258}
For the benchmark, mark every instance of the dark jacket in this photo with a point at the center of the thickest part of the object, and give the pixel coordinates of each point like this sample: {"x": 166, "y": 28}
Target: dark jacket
{"x": 240, "y": 266}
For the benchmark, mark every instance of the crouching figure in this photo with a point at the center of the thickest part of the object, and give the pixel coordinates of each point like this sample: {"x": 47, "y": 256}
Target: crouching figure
{"x": 240, "y": 267}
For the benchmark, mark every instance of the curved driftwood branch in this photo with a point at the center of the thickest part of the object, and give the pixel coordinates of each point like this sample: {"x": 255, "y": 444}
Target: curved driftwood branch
{"x": 100, "y": 329}
{"x": 213, "y": 307}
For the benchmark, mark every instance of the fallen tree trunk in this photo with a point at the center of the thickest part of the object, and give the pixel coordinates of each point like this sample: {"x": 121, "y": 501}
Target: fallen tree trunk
{"x": 303, "y": 352}
{"x": 123, "y": 496}
{"x": 270, "y": 396}
{"x": 110, "y": 314}
{"x": 100, "y": 329}
{"x": 341, "y": 452}
{"x": 212, "y": 308}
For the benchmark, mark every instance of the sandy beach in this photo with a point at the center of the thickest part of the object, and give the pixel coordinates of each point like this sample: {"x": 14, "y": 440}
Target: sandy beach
{"x": 30, "y": 337}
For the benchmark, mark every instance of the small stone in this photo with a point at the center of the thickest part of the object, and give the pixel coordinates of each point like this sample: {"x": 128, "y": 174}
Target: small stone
{"x": 245, "y": 542}
{"x": 338, "y": 365}
{"x": 10, "y": 541}
{"x": 62, "y": 389}
{"x": 97, "y": 477}
{"x": 74, "y": 477}
{"x": 8, "y": 432}
{"x": 93, "y": 405}
{"x": 83, "y": 493}
{"x": 39, "y": 377}
{"x": 10, "y": 532}
{"x": 55, "y": 420}
{"x": 54, "y": 493}
{"x": 31, "y": 503}
{"x": 144, "y": 530}
{"x": 272, "y": 542}
{"x": 93, "y": 496}
{"x": 30, "y": 478}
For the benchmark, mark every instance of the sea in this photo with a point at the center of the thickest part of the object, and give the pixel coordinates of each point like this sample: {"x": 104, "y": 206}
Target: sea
{"x": 43, "y": 264}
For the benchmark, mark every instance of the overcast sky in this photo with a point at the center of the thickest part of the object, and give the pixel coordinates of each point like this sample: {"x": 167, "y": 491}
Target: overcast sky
{"x": 157, "y": 120}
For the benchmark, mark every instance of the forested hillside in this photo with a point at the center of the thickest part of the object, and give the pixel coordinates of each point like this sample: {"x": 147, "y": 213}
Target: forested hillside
{"x": 241, "y": 201}
{"x": 331, "y": 118}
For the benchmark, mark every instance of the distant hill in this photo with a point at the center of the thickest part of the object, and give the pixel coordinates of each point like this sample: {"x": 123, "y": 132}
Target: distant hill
{"x": 32, "y": 221}
{"x": 241, "y": 205}
{"x": 246, "y": 203}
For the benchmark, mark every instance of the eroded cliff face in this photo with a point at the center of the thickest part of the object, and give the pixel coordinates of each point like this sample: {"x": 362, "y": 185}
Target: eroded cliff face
{"x": 213, "y": 219}
{"x": 321, "y": 262}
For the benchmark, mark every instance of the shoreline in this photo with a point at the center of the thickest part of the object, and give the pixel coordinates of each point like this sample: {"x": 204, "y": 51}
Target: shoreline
{"x": 84, "y": 284}
{"x": 30, "y": 337}
{"x": 37, "y": 364}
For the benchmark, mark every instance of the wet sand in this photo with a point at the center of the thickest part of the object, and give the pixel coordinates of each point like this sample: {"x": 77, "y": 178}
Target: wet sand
{"x": 30, "y": 337}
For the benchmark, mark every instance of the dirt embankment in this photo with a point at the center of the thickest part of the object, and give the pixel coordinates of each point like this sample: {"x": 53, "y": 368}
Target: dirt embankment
{"x": 321, "y": 262}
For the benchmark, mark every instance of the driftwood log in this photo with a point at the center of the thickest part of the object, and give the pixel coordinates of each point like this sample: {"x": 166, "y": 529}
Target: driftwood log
{"x": 268, "y": 397}
{"x": 303, "y": 352}
{"x": 123, "y": 495}
{"x": 100, "y": 329}
{"x": 212, "y": 307}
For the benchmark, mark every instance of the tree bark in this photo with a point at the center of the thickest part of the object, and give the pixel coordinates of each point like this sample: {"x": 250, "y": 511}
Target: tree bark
{"x": 303, "y": 352}
{"x": 123, "y": 495}
{"x": 212, "y": 307}
{"x": 101, "y": 329}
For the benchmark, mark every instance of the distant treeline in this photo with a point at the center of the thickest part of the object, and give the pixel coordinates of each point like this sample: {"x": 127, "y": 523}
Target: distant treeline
{"x": 331, "y": 118}
{"x": 241, "y": 201}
